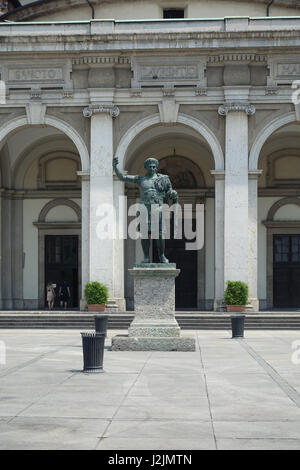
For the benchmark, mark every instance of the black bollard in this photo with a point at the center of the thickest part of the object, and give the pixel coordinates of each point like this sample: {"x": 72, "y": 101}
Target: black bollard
{"x": 93, "y": 351}
{"x": 101, "y": 324}
{"x": 237, "y": 326}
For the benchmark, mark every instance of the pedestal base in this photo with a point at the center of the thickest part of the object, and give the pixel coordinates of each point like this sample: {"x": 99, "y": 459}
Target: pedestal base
{"x": 154, "y": 327}
{"x": 129, "y": 343}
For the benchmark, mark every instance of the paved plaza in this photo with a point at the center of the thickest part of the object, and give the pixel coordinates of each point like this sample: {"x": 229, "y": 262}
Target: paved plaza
{"x": 229, "y": 394}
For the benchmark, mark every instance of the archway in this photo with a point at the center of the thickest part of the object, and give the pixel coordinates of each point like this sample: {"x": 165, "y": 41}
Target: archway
{"x": 43, "y": 164}
{"x": 186, "y": 156}
{"x": 277, "y": 152}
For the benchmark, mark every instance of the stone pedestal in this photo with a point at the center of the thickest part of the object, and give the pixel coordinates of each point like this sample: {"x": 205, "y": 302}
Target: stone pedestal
{"x": 154, "y": 326}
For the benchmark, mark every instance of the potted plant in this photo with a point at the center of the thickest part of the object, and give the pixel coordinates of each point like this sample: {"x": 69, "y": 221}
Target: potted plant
{"x": 236, "y": 296}
{"x": 96, "y": 296}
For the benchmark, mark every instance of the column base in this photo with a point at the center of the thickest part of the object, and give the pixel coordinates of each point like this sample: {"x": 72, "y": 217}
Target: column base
{"x": 219, "y": 305}
{"x": 116, "y": 305}
{"x": 252, "y": 306}
{"x": 126, "y": 343}
{"x": 83, "y": 305}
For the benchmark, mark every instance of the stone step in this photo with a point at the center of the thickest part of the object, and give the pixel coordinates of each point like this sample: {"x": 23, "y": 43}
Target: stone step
{"x": 122, "y": 321}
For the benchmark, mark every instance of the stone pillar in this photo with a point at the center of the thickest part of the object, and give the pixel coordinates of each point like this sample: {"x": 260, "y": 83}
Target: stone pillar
{"x": 130, "y": 253}
{"x": 236, "y": 191}
{"x": 219, "y": 238}
{"x": 252, "y": 252}
{"x": 85, "y": 232}
{"x": 11, "y": 250}
{"x": 1, "y": 294}
{"x": 17, "y": 253}
{"x": 121, "y": 229}
{"x": 101, "y": 251}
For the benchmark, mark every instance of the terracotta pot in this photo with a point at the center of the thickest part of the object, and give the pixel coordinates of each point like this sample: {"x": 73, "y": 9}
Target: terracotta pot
{"x": 96, "y": 308}
{"x": 236, "y": 308}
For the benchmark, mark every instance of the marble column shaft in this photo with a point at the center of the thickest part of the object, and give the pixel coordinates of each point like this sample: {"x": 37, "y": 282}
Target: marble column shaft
{"x": 219, "y": 240}
{"x": 236, "y": 198}
{"x": 85, "y": 232}
{"x": 101, "y": 253}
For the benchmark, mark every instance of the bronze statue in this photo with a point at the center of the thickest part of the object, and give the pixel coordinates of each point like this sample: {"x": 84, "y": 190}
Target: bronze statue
{"x": 155, "y": 188}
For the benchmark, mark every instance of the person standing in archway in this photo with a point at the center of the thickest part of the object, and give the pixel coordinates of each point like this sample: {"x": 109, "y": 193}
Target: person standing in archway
{"x": 50, "y": 295}
{"x": 64, "y": 294}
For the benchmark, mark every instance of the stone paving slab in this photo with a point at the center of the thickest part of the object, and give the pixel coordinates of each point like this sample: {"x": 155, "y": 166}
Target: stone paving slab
{"x": 228, "y": 394}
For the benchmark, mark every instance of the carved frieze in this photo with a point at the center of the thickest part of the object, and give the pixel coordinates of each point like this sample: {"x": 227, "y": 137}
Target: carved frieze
{"x": 168, "y": 71}
{"x": 37, "y": 74}
{"x": 283, "y": 69}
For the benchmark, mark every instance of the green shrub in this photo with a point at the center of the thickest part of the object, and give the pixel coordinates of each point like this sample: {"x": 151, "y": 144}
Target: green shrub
{"x": 236, "y": 293}
{"x": 96, "y": 293}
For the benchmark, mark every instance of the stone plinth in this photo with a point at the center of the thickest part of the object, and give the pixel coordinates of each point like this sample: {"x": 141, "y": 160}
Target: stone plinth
{"x": 154, "y": 326}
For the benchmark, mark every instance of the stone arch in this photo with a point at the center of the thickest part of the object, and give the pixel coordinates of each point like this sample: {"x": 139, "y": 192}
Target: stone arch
{"x": 59, "y": 202}
{"x": 282, "y": 202}
{"x": 55, "y": 156}
{"x": 188, "y": 121}
{"x": 57, "y": 123}
{"x": 274, "y": 179}
{"x": 32, "y": 152}
{"x": 263, "y": 135}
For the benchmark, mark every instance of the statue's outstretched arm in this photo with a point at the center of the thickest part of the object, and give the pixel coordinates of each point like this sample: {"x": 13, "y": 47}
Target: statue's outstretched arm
{"x": 127, "y": 178}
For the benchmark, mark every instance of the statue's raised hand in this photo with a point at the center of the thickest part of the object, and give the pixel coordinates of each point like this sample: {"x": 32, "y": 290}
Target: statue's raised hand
{"x": 115, "y": 162}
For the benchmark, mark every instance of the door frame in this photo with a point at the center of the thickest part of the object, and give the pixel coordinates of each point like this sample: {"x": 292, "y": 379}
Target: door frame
{"x": 276, "y": 228}
{"x": 55, "y": 228}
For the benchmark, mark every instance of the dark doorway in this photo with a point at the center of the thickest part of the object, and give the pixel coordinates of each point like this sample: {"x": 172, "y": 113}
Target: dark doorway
{"x": 286, "y": 271}
{"x": 186, "y": 261}
{"x": 61, "y": 263}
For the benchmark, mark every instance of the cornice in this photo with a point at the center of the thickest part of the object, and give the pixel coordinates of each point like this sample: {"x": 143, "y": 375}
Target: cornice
{"x": 63, "y": 37}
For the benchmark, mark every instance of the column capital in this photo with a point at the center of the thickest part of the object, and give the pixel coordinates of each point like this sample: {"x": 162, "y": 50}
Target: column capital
{"x": 236, "y": 107}
{"x": 113, "y": 110}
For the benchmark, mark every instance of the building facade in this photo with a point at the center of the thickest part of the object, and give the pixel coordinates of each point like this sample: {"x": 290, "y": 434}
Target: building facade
{"x": 215, "y": 100}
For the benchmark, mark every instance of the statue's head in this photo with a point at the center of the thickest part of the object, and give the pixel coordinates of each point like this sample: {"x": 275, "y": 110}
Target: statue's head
{"x": 151, "y": 163}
